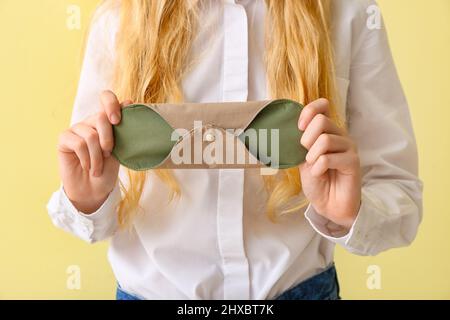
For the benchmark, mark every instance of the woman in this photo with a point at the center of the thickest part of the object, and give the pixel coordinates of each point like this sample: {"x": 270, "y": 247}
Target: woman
{"x": 234, "y": 234}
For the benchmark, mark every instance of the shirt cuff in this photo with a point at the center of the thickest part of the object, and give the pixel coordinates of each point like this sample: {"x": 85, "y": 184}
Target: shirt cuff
{"x": 106, "y": 208}
{"x": 351, "y": 239}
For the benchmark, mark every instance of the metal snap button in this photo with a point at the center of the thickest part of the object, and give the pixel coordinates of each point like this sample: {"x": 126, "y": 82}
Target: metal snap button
{"x": 209, "y": 137}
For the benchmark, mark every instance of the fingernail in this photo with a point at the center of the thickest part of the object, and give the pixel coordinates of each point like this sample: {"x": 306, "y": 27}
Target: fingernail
{"x": 115, "y": 118}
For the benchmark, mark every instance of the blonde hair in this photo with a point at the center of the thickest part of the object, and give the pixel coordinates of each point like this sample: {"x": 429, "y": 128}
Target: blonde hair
{"x": 152, "y": 46}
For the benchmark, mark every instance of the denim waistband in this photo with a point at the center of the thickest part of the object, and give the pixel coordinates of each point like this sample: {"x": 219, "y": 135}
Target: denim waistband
{"x": 323, "y": 286}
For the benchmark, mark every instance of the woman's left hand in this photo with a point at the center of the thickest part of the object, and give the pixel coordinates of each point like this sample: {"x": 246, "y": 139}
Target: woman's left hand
{"x": 331, "y": 177}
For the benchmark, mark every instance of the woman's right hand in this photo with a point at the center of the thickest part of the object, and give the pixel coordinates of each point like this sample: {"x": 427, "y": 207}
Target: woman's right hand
{"x": 87, "y": 169}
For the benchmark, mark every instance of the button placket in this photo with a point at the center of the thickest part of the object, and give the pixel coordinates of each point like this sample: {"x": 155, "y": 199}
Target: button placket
{"x": 231, "y": 181}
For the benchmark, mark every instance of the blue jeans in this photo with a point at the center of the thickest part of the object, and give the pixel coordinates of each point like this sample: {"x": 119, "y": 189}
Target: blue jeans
{"x": 323, "y": 286}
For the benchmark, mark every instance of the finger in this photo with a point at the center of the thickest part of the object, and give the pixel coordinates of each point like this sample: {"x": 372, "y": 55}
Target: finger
{"x": 69, "y": 142}
{"x": 101, "y": 124}
{"x": 111, "y": 106}
{"x": 319, "y": 106}
{"x": 91, "y": 138}
{"x": 344, "y": 162}
{"x": 327, "y": 143}
{"x": 319, "y": 125}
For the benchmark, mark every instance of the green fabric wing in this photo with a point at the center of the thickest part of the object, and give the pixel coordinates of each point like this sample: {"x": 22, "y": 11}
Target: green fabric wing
{"x": 279, "y": 116}
{"x": 142, "y": 139}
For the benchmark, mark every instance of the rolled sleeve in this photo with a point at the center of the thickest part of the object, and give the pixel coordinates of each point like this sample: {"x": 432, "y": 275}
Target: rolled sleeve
{"x": 372, "y": 231}
{"x": 379, "y": 122}
{"x": 92, "y": 227}
{"x": 95, "y": 76}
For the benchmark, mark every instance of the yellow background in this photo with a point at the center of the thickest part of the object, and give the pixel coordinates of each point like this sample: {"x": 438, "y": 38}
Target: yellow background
{"x": 39, "y": 65}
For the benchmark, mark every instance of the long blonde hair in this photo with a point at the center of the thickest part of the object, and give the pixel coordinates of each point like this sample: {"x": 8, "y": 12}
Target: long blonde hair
{"x": 152, "y": 46}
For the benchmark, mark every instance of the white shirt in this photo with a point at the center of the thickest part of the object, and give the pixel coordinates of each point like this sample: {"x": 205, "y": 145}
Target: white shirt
{"x": 216, "y": 241}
